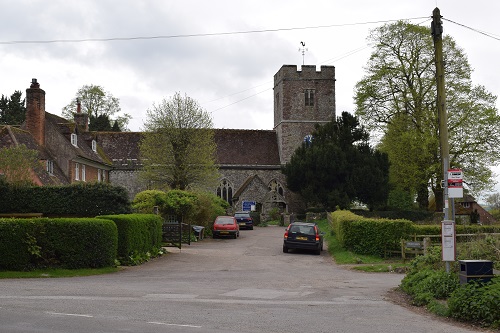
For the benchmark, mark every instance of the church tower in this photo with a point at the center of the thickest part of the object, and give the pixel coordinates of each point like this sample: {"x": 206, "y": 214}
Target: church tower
{"x": 301, "y": 100}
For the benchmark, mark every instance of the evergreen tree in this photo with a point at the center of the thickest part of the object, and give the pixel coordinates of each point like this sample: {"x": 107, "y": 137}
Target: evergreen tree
{"x": 12, "y": 110}
{"x": 338, "y": 166}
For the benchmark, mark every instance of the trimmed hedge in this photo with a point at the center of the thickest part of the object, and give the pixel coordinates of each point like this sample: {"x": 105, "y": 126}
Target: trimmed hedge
{"x": 27, "y": 244}
{"x": 368, "y": 235}
{"x": 82, "y": 200}
{"x": 139, "y": 236}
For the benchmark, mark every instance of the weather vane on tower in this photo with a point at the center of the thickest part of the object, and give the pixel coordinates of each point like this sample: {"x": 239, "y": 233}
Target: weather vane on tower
{"x": 303, "y": 49}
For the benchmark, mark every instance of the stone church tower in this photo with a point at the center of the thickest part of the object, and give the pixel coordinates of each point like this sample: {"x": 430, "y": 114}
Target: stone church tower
{"x": 301, "y": 100}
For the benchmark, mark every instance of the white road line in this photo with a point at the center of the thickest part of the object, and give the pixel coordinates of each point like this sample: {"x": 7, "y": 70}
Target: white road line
{"x": 167, "y": 324}
{"x": 70, "y": 314}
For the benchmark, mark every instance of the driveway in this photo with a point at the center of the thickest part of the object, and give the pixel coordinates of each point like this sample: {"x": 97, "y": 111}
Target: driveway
{"x": 222, "y": 285}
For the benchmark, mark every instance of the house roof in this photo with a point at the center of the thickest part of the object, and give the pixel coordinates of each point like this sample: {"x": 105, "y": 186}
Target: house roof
{"x": 247, "y": 147}
{"x": 15, "y": 136}
{"x": 66, "y": 128}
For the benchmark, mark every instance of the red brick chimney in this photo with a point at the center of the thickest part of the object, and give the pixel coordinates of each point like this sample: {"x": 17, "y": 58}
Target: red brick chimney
{"x": 82, "y": 119}
{"x": 35, "y": 112}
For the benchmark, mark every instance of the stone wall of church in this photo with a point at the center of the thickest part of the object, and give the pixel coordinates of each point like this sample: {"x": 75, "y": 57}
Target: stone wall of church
{"x": 129, "y": 179}
{"x": 237, "y": 178}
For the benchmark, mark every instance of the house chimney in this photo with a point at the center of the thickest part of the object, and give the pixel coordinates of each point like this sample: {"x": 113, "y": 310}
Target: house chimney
{"x": 81, "y": 119}
{"x": 35, "y": 112}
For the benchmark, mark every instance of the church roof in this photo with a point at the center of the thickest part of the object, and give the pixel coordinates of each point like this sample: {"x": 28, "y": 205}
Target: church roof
{"x": 247, "y": 147}
{"x": 234, "y": 147}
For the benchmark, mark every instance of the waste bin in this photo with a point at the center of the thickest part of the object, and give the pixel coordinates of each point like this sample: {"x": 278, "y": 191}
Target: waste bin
{"x": 199, "y": 231}
{"x": 475, "y": 270}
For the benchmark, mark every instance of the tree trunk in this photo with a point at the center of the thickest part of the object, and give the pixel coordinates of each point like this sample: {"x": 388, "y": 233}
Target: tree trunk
{"x": 438, "y": 196}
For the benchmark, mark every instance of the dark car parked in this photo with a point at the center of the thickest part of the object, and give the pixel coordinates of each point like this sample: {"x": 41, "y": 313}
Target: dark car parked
{"x": 244, "y": 220}
{"x": 303, "y": 235}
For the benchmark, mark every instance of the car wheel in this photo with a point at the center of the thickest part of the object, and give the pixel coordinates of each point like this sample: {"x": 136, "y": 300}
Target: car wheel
{"x": 251, "y": 228}
{"x": 285, "y": 249}
{"x": 235, "y": 235}
{"x": 321, "y": 246}
{"x": 214, "y": 236}
{"x": 318, "y": 251}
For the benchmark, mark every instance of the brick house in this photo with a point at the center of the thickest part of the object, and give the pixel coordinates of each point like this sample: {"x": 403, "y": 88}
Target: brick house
{"x": 249, "y": 161}
{"x": 67, "y": 151}
{"x": 467, "y": 207}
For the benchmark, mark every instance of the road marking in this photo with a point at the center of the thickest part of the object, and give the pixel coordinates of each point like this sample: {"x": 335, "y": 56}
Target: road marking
{"x": 167, "y": 324}
{"x": 70, "y": 314}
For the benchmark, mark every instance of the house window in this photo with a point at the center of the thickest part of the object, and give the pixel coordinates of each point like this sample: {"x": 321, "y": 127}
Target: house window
{"x": 94, "y": 145}
{"x": 74, "y": 140}
{"x": 50, "y": 167}
{"x": 77, "y": 171}
{"x": 466, "y": 204}
{"x": 99, "y": 175}
{"x": 225, "y": 191}
{"x": 83, "y": 173}
{"x": 309, "y": 97}
{"x": 103, "y": 175}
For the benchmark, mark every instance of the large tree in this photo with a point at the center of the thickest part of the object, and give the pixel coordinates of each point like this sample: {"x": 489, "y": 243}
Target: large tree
{"x": 397, "y": 99}
{"x": 178, "y": 148}
{"x": 338, "y": 166}
{"x": 99, "y": 105}
{"x": 12, "y": 110}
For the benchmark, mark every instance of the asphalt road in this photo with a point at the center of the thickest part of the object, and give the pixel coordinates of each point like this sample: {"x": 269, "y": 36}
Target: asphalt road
{"x": 221, "y": 285}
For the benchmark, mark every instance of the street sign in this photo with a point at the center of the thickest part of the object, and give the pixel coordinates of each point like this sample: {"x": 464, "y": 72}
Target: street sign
{"x": 248, "y": 206}
{"x": 448, "y": 240}
{"x": 455, "y": 185}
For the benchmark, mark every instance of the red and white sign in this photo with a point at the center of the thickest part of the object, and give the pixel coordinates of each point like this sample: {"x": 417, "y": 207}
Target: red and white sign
{"x": 455, "y": 186}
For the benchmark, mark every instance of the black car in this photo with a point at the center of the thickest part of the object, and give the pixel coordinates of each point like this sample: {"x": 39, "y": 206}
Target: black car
{"x": 244, "y": 220}
{"x": 303, "y": 235}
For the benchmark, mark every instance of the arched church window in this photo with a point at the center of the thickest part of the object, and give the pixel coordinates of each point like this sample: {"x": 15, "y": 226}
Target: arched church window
{"x": 225, "y": 191}
{"x": 274, "y": 185}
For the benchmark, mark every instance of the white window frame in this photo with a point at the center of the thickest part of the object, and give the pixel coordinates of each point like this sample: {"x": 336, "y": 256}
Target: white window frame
{"x": 77, "y": 171}
{"x": 99, "y": 175}
{"x": 94, "y": 146}
{"x": 103, "y": 175}
{"x": 74, "y": 139}
{"x": 50, "y": 167}
{"x": 84, "y": 174}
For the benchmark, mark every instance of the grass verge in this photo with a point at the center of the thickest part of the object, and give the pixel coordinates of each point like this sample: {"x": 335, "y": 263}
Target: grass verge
{"x": 57, "y": 273}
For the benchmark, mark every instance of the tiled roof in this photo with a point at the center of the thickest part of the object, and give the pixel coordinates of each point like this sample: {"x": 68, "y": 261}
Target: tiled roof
{"x": 84, "y": 149}
{"x": 247, "y": 147}
{"x": 234, "y": 147}
{"x": 13, "y": 136}
{"x": 122, "y": 148}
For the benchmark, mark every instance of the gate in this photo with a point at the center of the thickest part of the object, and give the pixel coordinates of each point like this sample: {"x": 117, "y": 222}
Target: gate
{"x": 175, "y": 233}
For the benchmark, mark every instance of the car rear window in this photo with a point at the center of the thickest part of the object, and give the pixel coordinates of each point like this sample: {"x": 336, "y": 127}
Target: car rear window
{"x": 241, "y": 215}
{"x": 224, "y": 220}
{"x": 303, "y": 229}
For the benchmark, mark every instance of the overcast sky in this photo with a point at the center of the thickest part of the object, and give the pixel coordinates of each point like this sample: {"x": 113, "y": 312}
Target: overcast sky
{"x": 230, "y": 74}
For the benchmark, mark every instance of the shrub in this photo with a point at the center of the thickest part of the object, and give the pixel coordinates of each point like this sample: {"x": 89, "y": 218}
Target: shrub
{"x": 145, "y": 201}
{"x": 477, "y": 302}
{"x": 427, "y": 285}
{"x": 82, "y": 200}
{"x": 139, "y": 237}
{"x": 57, "y": 242}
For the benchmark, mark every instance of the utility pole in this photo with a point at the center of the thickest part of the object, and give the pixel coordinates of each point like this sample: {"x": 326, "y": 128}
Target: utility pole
{"x": 437, "y": 35}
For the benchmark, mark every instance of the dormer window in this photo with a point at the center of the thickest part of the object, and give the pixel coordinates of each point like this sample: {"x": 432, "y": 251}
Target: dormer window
{"x": 94, "y": 146}
{"x": 74, "y": 140}
{"x": 50, "y": 167}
